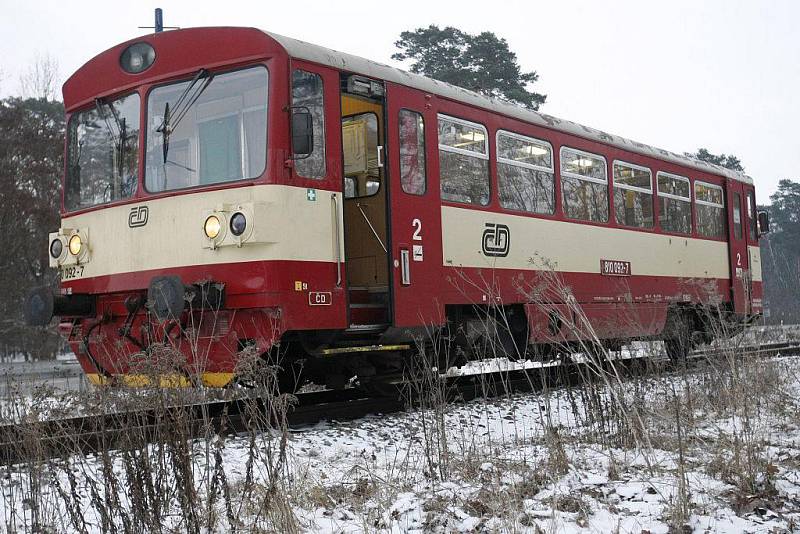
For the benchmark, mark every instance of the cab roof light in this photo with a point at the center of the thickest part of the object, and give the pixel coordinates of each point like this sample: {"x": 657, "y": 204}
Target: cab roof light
{"x": 137, "y": 58}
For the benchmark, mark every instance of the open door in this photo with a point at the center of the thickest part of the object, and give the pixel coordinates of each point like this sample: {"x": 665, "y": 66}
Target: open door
{"x": 414, "y": 208}
{"x": 365, "y": 217}
{"x": 737, "y": 244}
{"x": 754, "y": 278}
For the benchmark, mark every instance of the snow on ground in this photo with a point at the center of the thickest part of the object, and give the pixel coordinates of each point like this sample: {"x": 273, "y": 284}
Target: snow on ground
{"x": 502, "y": 476}
{"x": 593, "y": 459}
{"x": 768, "y": 334}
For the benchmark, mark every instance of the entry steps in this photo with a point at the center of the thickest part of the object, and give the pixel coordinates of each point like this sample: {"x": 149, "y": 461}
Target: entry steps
{"x": 369, "y": 308}
{"x": 364, "y": 349}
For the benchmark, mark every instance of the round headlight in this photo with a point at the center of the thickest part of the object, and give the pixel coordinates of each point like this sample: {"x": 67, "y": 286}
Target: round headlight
{"x": 56, "y": 248}
{"x": 137, "y": 58}
{"x": 75, "y": 245}
{"x": 238, "y": 224}
{"x": 212, "y": 226}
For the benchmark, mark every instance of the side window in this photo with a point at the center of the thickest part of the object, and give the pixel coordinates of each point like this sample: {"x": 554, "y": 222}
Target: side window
{"x": 674, "y": 203}
{"x": 307, "y": 92}
{"x": 709, "y": 210}
{"x": 412, "y": 152}
{"x": 360, "y": 151}
{"x": 633, "y": 195}
{"x": 737, "y": 215}
{"x": 525, "y": 177}
{"x": 584, "y": 185}
{"x": 752, "y": 221}
{"x": 463, "y": 161}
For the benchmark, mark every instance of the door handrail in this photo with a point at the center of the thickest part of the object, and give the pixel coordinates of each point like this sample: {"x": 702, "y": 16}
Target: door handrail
{"x": 335, "y": 202}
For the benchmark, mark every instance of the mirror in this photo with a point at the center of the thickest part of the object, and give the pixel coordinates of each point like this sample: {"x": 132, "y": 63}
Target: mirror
{"x": 302, "y": 133}
{"x": 763, "y": 222}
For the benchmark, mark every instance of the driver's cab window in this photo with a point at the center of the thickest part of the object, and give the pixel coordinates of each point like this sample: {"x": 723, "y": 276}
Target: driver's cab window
{"x": 362, "y": 176}
{"x": 307, "y": 94}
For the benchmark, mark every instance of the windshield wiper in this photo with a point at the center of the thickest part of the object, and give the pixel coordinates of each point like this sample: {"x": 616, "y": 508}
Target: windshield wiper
{"x": 98, "y": 106}
{"x": 120, "y": 136}
{"x": 182, "y": 106}
{"x": 181, "y": 165}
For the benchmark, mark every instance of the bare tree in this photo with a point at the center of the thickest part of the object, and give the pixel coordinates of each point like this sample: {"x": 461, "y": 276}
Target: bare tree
{"x": 41, "y": 78}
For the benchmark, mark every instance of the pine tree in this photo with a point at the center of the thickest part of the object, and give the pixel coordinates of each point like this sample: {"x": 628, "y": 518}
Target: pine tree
{"x": 482, "y": 63}
{"x": 728, "y": 161}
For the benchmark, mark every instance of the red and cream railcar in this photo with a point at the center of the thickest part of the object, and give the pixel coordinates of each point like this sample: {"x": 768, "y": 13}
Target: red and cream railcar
{"x": 227, "y": 187}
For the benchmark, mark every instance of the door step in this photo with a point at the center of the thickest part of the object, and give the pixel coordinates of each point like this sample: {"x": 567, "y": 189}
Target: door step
{"x": 363, "y": 348}
{"x": 367, "y": 328}
{"x": 369, "y": 305}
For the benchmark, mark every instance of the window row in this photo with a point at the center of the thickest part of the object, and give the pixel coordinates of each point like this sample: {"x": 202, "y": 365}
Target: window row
{"x": 526, "y": 179}
{"x": 526, "y": 175}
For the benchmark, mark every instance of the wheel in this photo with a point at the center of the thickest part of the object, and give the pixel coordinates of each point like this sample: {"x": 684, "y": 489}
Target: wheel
{"x": 678, "y": 348}
{"x": 290, "y": 376}
{"x": 449, "y": 348}
{"x": 274, "y": 372}
{"x": 678, "y": 336}
{"x": 508, "y": 345}
{"x": 512, "y": 335}
{"x": 380, "y": 388}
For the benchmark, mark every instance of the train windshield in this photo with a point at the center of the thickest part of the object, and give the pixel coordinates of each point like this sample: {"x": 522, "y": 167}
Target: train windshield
{"x": 207, "y": 130}
{"x": 102, "y": 153}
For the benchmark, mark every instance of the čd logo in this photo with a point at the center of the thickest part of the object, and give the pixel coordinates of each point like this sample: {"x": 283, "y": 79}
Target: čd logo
{"x": 138, "y": 216}
{"x": 496, "y": 240}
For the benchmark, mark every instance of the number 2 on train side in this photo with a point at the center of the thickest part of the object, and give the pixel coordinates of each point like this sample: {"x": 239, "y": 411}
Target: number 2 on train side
{"x": 417, "y": 224}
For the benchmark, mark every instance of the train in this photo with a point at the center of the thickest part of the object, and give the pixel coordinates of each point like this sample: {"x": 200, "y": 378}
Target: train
{"x": 230, "y": 189}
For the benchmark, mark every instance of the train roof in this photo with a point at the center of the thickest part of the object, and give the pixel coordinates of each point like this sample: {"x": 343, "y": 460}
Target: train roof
{"x": 348, "y": 62}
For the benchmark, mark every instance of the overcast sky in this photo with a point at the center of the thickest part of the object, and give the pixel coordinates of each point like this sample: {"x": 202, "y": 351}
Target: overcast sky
{"x": 679, "y": 75}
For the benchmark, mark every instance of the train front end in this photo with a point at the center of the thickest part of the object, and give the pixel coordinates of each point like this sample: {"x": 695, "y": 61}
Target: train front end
{"x": 178, "y": 240}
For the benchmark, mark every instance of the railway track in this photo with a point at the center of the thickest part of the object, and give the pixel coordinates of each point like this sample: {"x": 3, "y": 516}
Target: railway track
{"x": 111, "y": 431}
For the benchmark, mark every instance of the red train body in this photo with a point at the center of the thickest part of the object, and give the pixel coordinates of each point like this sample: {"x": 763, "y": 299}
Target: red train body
{"x": 377, "y": 205}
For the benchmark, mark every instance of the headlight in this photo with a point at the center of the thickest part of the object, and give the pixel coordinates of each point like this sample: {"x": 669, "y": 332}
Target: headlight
{"x": 56, "y": 248}
{"x": 238, "y": 223}
{"x": 212, "y": 226}
{"x": 137, "y": 58}
{"x": 75, "y": 245}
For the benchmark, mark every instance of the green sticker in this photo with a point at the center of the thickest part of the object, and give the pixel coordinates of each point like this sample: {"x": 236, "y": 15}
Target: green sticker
{"x": 311, "y": 194}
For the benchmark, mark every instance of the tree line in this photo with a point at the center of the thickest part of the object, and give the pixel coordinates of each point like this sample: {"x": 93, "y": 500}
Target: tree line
{"x": 31, "y": 162}
{"x": 780, "y": 255}
{"x": 32, "y": 130}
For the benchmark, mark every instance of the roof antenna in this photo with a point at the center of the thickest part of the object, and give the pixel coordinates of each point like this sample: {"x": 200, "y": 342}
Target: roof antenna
{"x": 159, "y": 23}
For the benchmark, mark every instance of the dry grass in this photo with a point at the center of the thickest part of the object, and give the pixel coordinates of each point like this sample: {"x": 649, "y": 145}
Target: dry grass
{"x": 157, "y": 479}
{"x": 657, "y": 428}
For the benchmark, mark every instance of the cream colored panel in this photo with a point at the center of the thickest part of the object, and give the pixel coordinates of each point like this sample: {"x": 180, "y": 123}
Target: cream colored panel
{"x": 755, "y": 263}
{"x": 286, "y": 224}
{"x": 578, "y": 247}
